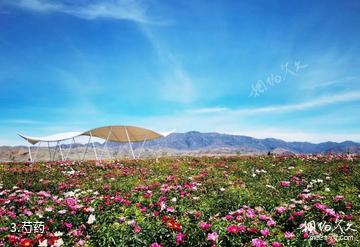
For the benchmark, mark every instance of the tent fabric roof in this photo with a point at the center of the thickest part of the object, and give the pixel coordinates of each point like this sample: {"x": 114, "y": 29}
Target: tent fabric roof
{"x": 117, "y": 133}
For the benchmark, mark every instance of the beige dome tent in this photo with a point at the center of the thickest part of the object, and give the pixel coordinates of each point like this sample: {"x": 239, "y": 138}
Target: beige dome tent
{"x": 116, "y": 133}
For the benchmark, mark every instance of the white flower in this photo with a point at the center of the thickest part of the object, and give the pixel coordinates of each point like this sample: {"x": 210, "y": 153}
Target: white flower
{"x": 43, "y": 243}
{"x": 174, "y": 199}
{"x": 222, "y": 189}
{"x": 58, "y": 234}
{"x": 58, "y": 243}
{"x": 253, "y": 175}
{"x": 48, "y": 209}
{"x": 327, "y": 189}
{"x": 91, "y": 219}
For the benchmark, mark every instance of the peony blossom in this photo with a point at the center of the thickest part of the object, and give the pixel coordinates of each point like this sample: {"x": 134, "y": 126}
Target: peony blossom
{"x": 276, "y": 244}
{"x": 155, "y": 245}
{"x": 233, "y": 229}
{"x": 204, "y": 225}
{"x": 180, "y": 237}
{"x": 285, "y": 183}
{"x": 289, "y": 235}
{"x": 265, "y": 232}
{"x": 91, "y": 219}
{"x": 257, "y": 242}
{"x": 212, "y": 236}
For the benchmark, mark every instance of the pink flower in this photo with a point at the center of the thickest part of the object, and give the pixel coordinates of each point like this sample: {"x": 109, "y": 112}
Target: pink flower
{"x": 170, "y": 209}
{"x": 338, "y": 198}
{"x": 229, "y": 217}
{"x": 155, "y": 245}
{"x": 298, "y": 213}
{"x": 330, "y": 240}
{"x": 180, "y": 237}
{"x": 271, "y": 223}
{"x": 285, "y": 183}
{"x": 280, "y": 210}
{"x": 137, "y": 229}
{"x": 241, "y": 228}
{"x": 212, "y": 236}
{"x": 257, "y": 242}
{"x": 263, "y": 217}
{"x": 265, "y": 232}
{"x": 232, "y": 229}
{"x": 320, "y": 206}
{"x": 204, "y": 225}
{"x": 250, "y": 213}
{"x": 276, "y": 244}
{"x": 67, "y": 224}
{"x": 289, "y": 235}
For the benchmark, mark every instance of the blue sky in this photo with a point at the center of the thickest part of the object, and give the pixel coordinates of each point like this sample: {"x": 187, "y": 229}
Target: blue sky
{"x": 283, "y": 69}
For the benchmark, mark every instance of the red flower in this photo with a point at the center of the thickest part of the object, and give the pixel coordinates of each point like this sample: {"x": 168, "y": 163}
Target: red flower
{"x": 25, "y": 243}
{"x": 232, "y": 229}
{"x": 171, "y": 223}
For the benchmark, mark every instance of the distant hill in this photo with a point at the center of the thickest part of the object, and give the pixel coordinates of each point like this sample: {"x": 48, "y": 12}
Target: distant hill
{"x": 197, "y": 141}
{"x": 191, "y": 143}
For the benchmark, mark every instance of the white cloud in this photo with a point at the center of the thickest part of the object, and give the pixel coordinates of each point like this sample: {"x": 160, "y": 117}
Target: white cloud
{"x": 321, "y": 101}
{"x": 121, "y": 9}
{"x": 208, "y": 110}
{"x": 295, "y": 135}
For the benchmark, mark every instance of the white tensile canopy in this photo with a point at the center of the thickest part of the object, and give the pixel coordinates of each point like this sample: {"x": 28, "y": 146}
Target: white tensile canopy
{"x": 116, "y": 133}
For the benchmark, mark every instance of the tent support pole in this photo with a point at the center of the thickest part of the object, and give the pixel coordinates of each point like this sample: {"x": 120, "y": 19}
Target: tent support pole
{"x": 61, "y": 153}
{"x": 75, "y": 147}
{"x": 93, "y": 145}
{"x": 36, "y": 152}
{"x": 57, "y": 144}
{"x": 142, "y": 146}
{"x": 132, "y": 151}
{"x": 68, "y": 152}
{"x": 86, "y": 149}
{"x": 31, "y": 159}
{"x": 105, "y": 144}
{"x": 49, "y": 151}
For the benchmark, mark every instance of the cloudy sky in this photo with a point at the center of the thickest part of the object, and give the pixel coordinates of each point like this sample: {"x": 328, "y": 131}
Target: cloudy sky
{"x": 283, "y": 69}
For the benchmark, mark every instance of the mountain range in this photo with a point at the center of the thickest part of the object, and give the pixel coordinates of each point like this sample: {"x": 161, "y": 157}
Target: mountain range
{"x": 190, "y": 143}
{"x": 195, "y": 141}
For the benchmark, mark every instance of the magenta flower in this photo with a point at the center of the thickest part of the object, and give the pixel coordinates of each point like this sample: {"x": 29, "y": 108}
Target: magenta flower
{"x": 265, "y": 232}
{"x": 257, "y": 242}
{"x": 180, "y": 237}
{"x": 250, "y": 213}
{"x": 67, "y": 224}
{"x": 276, "y": 244}
{"x": 232, "y": 229}
{"x": 338, "y": 198}
{"x": 280, "y": 210}
{"x": 204, "y": 225}
{"x": 289, "y": 235}
{"x": 331, "y": 240}
{"x": 212, "y": 236}
{"x": 320, "y": 206}
{"x": 155, "y": 245}
{"x": 263, "y": 217}
{"x": 137, "y": 229}
{"x": 271, "y": 223}
{"x": 285, "y": 183}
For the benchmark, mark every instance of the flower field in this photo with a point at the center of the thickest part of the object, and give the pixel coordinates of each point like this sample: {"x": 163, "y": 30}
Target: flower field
{"x": 208, "y": 201}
